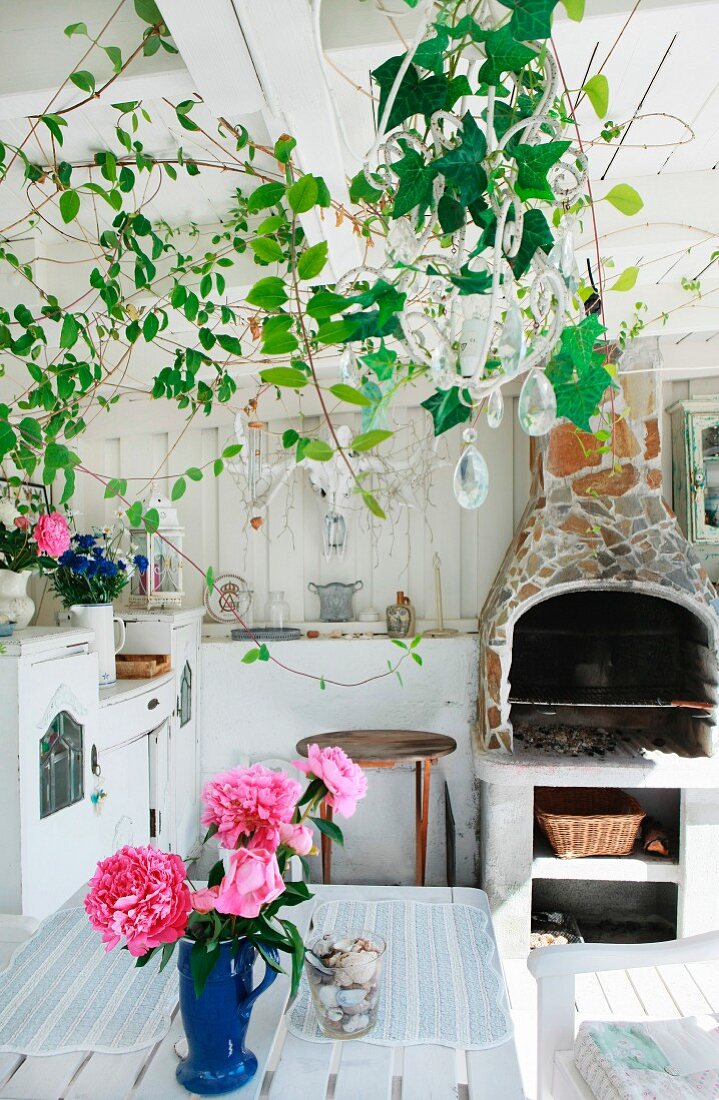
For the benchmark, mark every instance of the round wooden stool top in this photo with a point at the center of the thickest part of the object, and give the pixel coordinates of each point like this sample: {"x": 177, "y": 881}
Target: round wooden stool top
{"x": 384, "y": 746}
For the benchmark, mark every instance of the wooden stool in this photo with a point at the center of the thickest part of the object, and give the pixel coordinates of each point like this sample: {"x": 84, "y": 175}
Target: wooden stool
{"x": 386, "y": 749}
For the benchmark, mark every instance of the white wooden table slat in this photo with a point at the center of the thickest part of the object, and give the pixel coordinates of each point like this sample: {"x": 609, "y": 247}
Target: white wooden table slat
{"x": 429, "y": 1073}
{"x": 653, "y": 994}
{"x": 485, "y": 1068}
{"x": 686, "y": 993}
{"x": 621, "y": 994}
{"x": 158, "y": 1082}
{"x": 8, "y": 1065}
{"x": 110, "y": 1076}
{"x": 43, "y": 1078}
{"x": 590, "y": 998}
{"x": 308, "y": 1063}
{"x": 706, "y": 975}
{"x": 364, "y": 1071}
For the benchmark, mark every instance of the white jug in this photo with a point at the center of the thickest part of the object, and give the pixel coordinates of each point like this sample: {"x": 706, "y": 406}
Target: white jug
{"x": 99, "y": 618}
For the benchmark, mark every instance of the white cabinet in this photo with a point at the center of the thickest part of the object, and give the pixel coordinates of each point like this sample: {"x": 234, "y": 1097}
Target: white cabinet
{"x": 174, "y": 751}
{"x": 49, "y": 718}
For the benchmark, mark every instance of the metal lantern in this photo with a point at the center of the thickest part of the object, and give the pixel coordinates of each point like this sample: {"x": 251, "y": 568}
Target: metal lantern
{"x": 160, "y": 585}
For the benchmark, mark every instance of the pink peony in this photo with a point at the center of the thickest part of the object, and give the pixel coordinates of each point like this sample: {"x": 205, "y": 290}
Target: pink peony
{"x": 345, "y": 780}
{"x": 139, "y": 894}
{"x": 245, "y": 799}
{"x": 52, "y": 534}
{"x": 252, "y": 881}
{"x": 297, "y": 837}
{"x": 22, "y": 522}
{"x": 203, "y": 901}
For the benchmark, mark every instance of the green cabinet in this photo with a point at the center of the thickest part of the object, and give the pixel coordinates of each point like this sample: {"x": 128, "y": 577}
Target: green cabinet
{"x": 695, "y": 475}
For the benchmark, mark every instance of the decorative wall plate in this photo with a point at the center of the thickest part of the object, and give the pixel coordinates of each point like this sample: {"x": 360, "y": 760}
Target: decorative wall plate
{"x": 230, "y": 597}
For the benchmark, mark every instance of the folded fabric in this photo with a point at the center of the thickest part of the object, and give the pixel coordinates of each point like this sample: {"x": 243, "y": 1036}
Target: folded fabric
{"x": 657, "y": 1060}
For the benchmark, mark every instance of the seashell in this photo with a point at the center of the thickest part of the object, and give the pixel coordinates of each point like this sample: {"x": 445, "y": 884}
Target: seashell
{"x": 349, "y": 997}
{"x": 327, "y": 995}
{"x": 344, "y": 945}
{"x": 355, "y": 1023}
{"x": 335, "y": 1015}
{"x": 343, "y": 978}
{"x": 361, "y": 968}
{"x": 315, "y": 962}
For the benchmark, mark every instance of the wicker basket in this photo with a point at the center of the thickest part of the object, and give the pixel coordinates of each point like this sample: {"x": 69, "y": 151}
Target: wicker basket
{"x": 588, "y": 821}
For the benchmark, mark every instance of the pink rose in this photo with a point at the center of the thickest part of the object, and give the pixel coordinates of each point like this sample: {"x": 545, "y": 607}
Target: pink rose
{"x": 297, "y": 837}
{"x": 203, "y": 901}
{"x": 22, "y": 522}
{"x": 139, "y": 894}
{"x": 345, "y": 780}
{"x": 252, "y": 881}
{"x": 52, "y": 534}
{"x": 245, "y": 799}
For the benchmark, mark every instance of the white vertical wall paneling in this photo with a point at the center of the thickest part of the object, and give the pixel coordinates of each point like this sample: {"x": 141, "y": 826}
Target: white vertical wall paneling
{"x": 286, "y": 569}
{"x": 520, "y": 465}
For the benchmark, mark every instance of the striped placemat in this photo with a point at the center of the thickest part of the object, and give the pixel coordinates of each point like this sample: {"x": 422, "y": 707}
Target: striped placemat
{"x": 441, "y": 981}
{"x": 63, "y": 992}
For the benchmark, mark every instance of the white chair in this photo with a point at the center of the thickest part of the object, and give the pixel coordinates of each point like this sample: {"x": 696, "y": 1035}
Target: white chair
{"x": 554, "y": 969}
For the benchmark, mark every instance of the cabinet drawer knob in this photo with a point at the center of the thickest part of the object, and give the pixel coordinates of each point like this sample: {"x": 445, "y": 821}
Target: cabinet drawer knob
{"x": 153, "y": 703}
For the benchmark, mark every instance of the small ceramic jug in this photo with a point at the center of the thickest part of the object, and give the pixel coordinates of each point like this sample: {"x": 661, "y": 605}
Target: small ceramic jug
{"x": 335, "y": 600}
{"x": 99, "y": 617}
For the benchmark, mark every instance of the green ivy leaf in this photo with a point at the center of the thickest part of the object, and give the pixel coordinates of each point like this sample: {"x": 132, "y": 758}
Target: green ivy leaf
{"x": 69, "y": 205}
{"x": 415, "y": 183}
{"x": 312, "y": 261}
{"x": 597, "y": 91}
{"x": 627, "y": 280}
{"x": 450, "y": 213}
{"x": 269, "y": 293}
{"x": 504, "y": 55}
{"x": 446, "y": 409}
{"x": 284, "y": 376}
{"x": 303, "y": 194}
{"x": 530, "y": 18}
{"x": 577, "y": 372}
{"x": 415, "y": 96}
{"x": 318, "y": 450}
{"x": 350, "y": 395}
{"x": 368, "y": 440}
{"x": 533, "y": 162}
{"x": 536, "y": 233}
{"x": 361, "y": 188}
{"x": 381, "y": 362}
{"x": 625, "y": 199}
{"x": 462, "y": 166}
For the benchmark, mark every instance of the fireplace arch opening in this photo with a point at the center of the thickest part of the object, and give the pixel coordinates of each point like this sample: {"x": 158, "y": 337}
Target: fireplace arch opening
{"x": 639, "y": 667}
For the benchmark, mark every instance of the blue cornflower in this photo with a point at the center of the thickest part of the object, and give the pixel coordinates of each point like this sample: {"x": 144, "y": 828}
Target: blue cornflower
{"x": 85, "y": 541}
{"x": 97, "y": 551}
{"x": 68, "y": 558}
{"x": 107, "y": 568}
{"x": 121, "y": 565}
{"x": 80, "y": 564}
{"x": 92, "y": 566}
{"x": 141, "y": 562}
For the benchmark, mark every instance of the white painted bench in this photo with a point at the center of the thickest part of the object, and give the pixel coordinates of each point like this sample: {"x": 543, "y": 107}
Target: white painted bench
{"x": 555, "y": 969}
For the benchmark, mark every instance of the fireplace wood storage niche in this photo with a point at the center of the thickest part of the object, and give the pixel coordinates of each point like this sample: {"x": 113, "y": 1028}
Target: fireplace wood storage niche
{"x": 599, "y": 668}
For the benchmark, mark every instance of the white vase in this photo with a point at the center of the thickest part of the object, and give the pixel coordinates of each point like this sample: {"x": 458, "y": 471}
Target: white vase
{"x": 14, "y": 600}
{"x": 99, "y": 618}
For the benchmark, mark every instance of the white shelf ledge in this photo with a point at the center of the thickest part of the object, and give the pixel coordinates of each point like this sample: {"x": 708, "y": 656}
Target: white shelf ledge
{"x": 639, "y": 867}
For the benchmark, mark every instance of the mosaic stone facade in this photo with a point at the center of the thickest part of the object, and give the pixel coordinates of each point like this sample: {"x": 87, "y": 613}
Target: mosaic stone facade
{"x": 594, "y": 521}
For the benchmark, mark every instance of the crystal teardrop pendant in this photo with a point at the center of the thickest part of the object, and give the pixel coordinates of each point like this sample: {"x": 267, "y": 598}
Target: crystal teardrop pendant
{"x": 537, "y": 409}
{"x": 440, "y": 370}
{"x": 402, "y": 242}
{"x": 471, "y": 476}
{"x": 511, "y": 347}
{"x": 349, "y": 372}
{"x": 495, "y": 409}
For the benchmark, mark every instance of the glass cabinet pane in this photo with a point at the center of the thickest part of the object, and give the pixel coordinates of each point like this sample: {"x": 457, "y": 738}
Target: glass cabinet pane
{"x": 61, "y": 764}
{"x": 186, "y": 695}
{"x": 710, "y": 477}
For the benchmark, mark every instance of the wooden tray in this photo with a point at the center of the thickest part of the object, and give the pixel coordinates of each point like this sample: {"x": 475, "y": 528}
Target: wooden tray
{"x": 141, "y": 666}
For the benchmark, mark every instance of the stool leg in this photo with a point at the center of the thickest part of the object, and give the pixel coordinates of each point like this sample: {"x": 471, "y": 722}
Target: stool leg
{"x": 326, "y": 846}
{"x": 423, "y": 779}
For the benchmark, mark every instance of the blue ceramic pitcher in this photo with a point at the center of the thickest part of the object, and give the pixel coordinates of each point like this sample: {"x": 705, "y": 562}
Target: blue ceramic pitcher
{"x": 216, "y": 1022}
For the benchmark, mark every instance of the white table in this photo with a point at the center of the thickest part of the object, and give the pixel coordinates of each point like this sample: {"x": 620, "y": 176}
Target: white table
{"x": 289, "y": 1068}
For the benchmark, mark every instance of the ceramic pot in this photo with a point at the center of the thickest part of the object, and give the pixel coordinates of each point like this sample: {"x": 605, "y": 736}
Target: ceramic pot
{"x": 216, "y": 1022}
{"x": 14, "y": 600}
{"x": 99, "y": 618}
{"x": 335, "y": 600}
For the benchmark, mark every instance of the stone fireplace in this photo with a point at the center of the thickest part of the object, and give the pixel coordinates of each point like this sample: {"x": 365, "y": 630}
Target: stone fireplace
{"x": 598, "y": 665}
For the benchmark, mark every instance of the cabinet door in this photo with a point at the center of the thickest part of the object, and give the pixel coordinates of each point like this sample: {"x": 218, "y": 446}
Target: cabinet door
{"x": 122, "y": 814}
{"x": 161, "y": 832}
{"x": 703, "y": 477}
{"x": 183, "y": 745}
{"x": 58, "y": 723}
